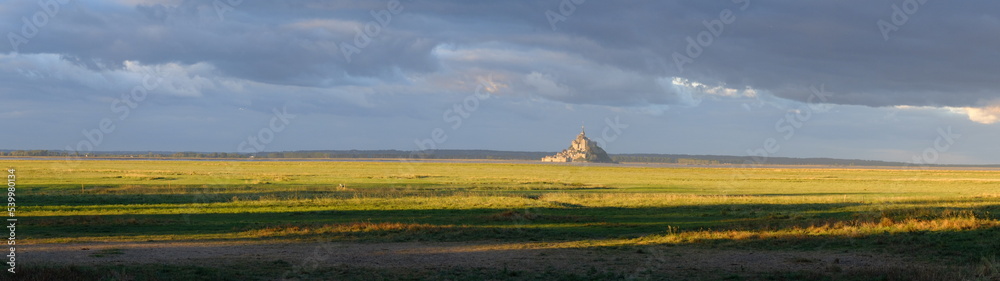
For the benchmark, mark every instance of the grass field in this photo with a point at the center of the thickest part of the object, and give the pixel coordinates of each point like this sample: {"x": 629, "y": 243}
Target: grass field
{"x": 940, "y": 217}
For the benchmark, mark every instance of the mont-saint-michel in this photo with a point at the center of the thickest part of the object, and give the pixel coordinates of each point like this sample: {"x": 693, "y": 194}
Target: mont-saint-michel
{"x": 582, "y": 149}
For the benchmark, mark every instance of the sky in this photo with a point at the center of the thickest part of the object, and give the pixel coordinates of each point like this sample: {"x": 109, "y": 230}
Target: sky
{"x": 912, "y": 81}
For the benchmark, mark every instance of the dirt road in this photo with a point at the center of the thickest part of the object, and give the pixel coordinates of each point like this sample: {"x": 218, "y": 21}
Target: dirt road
{"x": 520, "y": 256}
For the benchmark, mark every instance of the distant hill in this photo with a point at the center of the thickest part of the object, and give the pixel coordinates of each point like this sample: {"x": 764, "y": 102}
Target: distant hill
{"x": 466, "y": 154}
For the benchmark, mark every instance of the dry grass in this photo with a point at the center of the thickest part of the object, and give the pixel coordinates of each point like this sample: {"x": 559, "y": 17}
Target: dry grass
{"x": 100, "y": 221}
{"x": 832, "y": 229}
{"x": 354, "y": 228}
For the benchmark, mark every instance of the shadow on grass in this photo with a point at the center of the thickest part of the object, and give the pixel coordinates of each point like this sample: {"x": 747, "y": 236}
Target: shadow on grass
{"x": 220, "y": 195}
{"x": 728, "y": 225}
{"x": 576, "y": 221}
{"x": 620, "y": 230}
{"x": 109, "y": 194}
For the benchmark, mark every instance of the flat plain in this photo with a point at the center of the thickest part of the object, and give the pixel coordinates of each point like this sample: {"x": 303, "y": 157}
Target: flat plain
{"x": 329, "y": 220}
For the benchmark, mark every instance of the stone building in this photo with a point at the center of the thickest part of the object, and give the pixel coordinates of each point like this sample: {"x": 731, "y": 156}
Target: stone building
{"x": 581, "y": 150}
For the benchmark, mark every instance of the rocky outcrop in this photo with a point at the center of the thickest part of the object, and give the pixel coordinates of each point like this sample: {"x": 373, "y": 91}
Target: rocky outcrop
{"x": 581, "y": 150}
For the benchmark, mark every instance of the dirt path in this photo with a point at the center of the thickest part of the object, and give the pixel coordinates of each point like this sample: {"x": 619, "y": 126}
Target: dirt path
{"x": 458, "y": 254}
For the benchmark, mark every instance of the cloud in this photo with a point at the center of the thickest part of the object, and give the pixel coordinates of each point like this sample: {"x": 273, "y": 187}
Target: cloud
{"x": 545, "y": 86}
{"x": 984, "y": 115}
{"x": 989, "y": 114}
{"x": 81, "y": 79}
{"x": 786, "y": 47}
{"x": 691, "y": 92}
{"x": 780, "y": 49}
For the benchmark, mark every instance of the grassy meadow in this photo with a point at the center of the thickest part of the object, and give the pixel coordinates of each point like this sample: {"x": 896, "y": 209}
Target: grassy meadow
{"x": 949, "y": 217}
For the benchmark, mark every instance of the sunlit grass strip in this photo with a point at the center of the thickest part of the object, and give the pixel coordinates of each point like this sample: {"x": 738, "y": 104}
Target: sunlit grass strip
{"x": 353, "y": 227}
{"x": 49, "y": 176}
{"x": 673, "y": 199}
{"x": 455, "y": 202}
{"x": 400, "y": 231}
{"x": 831, "y": 230}
{"x": 466, "y": 200}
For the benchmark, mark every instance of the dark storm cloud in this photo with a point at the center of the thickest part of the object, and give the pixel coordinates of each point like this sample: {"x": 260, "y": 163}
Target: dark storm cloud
{"x": 941, "y": 55}
{"x": 944, "y": 55}
{"x": 280, "y": 43}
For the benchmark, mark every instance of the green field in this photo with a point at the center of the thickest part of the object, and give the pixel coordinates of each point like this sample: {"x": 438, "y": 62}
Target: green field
{"x": 941, "y": 217}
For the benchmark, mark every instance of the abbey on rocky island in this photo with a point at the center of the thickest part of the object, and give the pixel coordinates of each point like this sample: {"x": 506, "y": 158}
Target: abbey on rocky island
{"x": 581, "y": 150}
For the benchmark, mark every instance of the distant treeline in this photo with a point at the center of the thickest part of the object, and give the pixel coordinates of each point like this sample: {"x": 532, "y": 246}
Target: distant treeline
{"x": 741, "y": 160}
{"x": 430, "y": 154}
{"x": 120, "y": 154}
{"x": 663, "y": 159}
{"x": 32, "y": 153}
{"x": 455, "y": 154}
